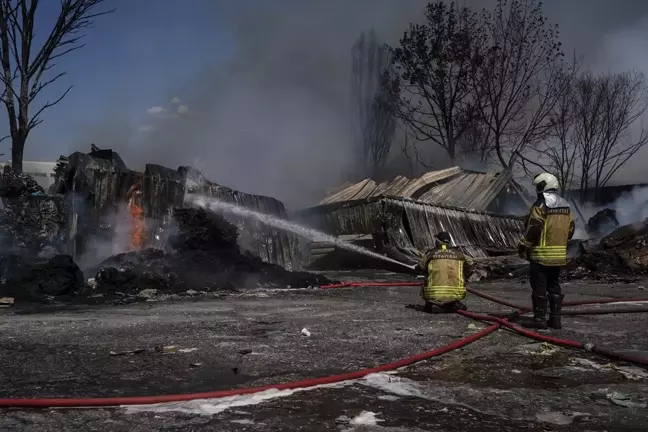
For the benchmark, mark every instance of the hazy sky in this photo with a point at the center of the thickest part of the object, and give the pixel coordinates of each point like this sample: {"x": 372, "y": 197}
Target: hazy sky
{"x": 261, "y": 88}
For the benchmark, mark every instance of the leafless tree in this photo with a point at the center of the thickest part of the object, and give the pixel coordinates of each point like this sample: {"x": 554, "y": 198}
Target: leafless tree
{"x": 28, "y": 64}
{"x": 559, "y": 152}
{"x": 517, "y": 66}
{"x": 609, "y": 125}
{"x": 594, "y": 129}
{"x": 375, "y": 120}
{"x": 432, "y": 65}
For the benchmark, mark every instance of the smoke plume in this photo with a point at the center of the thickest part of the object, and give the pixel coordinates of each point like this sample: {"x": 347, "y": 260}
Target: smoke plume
{"x": 274, "y": 119}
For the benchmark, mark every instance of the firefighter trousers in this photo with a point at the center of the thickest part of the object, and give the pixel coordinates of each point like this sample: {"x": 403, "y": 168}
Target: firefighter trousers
{"x": 544, "y": 279}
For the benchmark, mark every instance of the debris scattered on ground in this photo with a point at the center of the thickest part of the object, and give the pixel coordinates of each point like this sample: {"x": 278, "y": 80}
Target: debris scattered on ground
{"x": 538, "y": 349}
{"x": 206, "y": 258}
{"x": 559, "y": 418}
{"x": 33, "y": 279}
{"x": 629, "y": 372}
{"x": 621, "y": 255}
{"x": 160, "y": 349}
{"x": 366, "y": 418}
{"x": 622, "y": 399}
{"x": 135, "y": 351}
{"x": 501, "y": 267}
{"x": 305, "y": 332}
{"x": 6, "y": 301}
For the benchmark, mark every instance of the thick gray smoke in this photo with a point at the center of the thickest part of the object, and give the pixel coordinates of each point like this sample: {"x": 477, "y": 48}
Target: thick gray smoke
{"x": 275, "y": 119}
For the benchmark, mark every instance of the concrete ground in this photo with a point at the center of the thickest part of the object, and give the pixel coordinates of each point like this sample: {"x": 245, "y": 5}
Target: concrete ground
{"x": 501, "y": 383}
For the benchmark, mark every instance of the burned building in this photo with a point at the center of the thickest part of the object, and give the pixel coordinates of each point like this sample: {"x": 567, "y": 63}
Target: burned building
{"x": 401, "y": 217}
{"x": 99, "y": 188}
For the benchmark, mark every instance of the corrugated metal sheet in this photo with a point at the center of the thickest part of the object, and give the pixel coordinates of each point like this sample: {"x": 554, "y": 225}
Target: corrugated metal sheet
{"x": 410, "y": 225}
{"x": 162, "y": 189}
{"x": 449, "y": 187}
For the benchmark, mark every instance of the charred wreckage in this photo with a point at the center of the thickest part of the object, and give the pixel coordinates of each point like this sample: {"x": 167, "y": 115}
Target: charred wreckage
{"x": 105, "y": 233}
{"x": 133, "y": 236}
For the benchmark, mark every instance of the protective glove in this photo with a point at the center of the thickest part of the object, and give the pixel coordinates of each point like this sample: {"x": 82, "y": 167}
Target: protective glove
{"x": 523, "y": 252}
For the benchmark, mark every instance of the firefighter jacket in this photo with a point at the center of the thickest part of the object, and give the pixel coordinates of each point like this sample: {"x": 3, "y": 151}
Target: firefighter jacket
{"x": 548, "y": 228}
{"x": 444, "y": 280}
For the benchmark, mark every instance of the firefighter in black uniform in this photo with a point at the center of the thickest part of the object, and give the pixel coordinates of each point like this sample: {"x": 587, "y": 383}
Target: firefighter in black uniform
{"x": 444, "y": 287}
{"x": 548, "y": 228}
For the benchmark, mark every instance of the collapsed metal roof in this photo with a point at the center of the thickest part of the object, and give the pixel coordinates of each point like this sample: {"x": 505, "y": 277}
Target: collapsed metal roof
{"x": 455, "y": 186}
{"x": 411, "y": 225}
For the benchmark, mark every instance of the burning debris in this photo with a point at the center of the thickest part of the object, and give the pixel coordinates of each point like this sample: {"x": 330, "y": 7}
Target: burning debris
{"x": 154, "y": 245}
{"x": 203, "y": 256}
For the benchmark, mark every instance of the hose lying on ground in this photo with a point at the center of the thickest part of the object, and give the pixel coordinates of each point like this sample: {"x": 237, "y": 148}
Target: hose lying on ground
{"x": 498, "y": 322}
{"x": 490, "y": 297}
{"x": 558, "y": 341}
{"x": 504, "y": 322}
{"x": 567, "y": 303}
{"x": 145, "y": 400}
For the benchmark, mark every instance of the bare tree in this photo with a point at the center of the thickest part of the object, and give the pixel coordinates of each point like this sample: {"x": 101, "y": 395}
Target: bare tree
{"x": 593, "y": 130}
{"x": 432, "y": 65}
{"x": 559, "y": 152}
{"x": 26, "y": 63}
{"x": 609, "y": 128}
{"x": 375, "y": 121}
{"x": 517, "y": 66}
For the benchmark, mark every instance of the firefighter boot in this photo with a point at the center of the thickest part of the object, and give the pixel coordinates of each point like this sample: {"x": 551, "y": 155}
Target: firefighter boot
{"x": 555, "y": 306}
{"x": 539, "y": 314}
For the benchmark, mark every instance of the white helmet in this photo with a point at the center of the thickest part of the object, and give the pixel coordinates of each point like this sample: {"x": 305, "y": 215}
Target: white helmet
{"x": 545, "y": 182}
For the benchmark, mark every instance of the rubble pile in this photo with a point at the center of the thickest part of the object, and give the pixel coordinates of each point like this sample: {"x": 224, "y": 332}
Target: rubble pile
{"x": 205, "y": 258}
{"x": 34, "y": 279}
{"x": 30, "y": 221}
{"x": 602, "y": 223}
{"x": 493, "y": 268}
{"x": 622, "y": 254}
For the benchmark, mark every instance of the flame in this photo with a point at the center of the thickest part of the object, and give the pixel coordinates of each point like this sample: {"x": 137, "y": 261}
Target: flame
{"x": 138, "y": 235}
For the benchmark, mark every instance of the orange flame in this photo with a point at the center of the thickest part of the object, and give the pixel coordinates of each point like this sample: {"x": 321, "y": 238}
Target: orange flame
{"x": 138, "y": 235}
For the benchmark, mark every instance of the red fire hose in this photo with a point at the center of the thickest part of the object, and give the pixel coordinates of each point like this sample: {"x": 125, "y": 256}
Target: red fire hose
{"x": 498, "y": 322}
{"x": 561, "y": 342}
{"x": 557, "y": 341}
{"x": 144, "y": 400}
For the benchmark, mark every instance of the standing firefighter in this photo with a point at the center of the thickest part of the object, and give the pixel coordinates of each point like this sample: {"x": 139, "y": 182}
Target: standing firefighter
{"x": 444, "y": 280}
{"x": 549, "y": 226}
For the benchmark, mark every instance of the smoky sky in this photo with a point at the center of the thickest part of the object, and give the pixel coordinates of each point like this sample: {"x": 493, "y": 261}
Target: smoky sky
{"x": 275, "y": 119}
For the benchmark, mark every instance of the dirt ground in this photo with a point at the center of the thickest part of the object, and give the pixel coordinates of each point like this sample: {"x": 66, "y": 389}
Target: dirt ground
{"x": 501, "y": 383}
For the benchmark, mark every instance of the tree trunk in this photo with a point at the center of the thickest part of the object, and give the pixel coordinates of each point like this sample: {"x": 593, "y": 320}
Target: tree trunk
{"x": 17, "y": 149}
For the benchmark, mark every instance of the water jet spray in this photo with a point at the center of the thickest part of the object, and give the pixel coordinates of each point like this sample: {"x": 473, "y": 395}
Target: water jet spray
{"x": 214, "y": 204}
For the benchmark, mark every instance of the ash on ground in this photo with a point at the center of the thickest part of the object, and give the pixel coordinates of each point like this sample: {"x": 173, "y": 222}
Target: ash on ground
{"x": 205, "y": 258}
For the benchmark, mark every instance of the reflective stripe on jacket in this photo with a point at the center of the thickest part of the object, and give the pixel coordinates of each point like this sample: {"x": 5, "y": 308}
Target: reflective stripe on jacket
{"x": 549, "y": 226}
{"x": 444, "y": 281}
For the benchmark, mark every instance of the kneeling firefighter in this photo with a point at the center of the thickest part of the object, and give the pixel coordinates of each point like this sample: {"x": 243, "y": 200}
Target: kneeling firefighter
{"x": 444, "y": 280}
{"x": 549, "y": 226}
